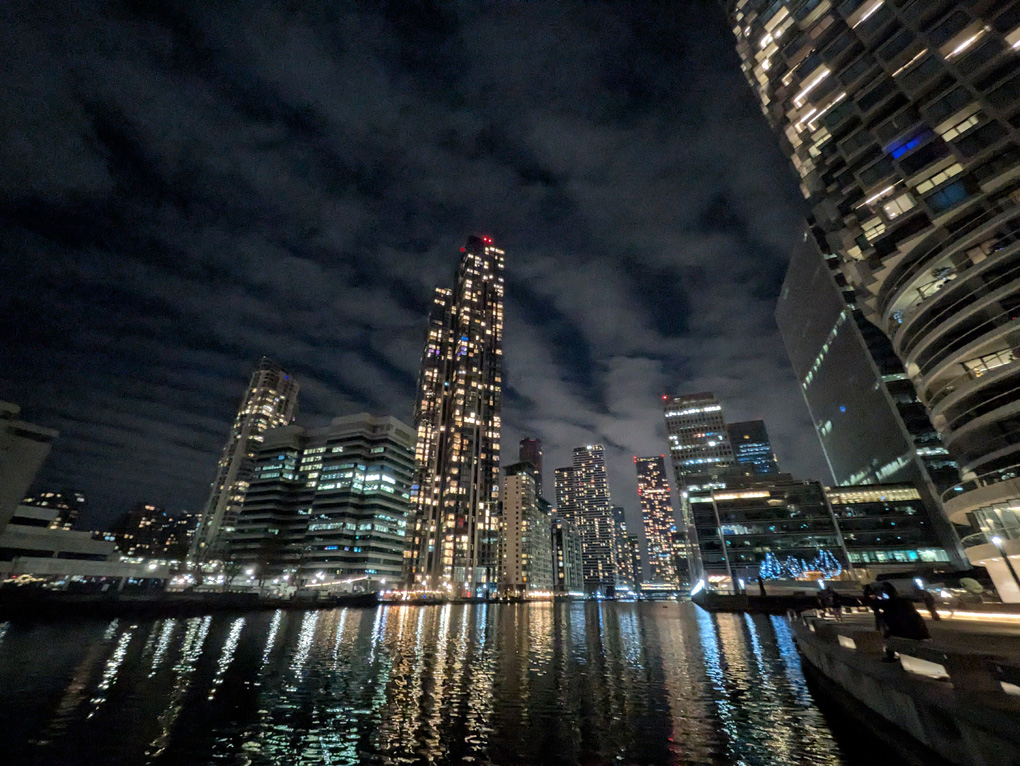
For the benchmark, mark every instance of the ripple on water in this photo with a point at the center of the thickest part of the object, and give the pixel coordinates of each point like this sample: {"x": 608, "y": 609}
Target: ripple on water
{"x": 563, "y": 683}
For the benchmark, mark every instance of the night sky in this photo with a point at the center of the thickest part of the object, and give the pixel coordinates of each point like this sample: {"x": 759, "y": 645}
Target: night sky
{"x": 185, "y": 187}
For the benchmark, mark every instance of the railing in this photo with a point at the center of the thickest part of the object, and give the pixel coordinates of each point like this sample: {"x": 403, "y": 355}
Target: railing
{"x": 985, "y": 480}
{"x": 985, "y": 538}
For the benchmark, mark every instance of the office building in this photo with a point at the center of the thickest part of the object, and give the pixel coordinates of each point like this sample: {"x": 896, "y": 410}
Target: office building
{"x": 699, "y": 444}
{"x": 901, "y": 123}
{"x": 329, "y": 505}
{"x": 531, "y": 452}
{"x": 527, "y": 535}
{"x": 455, "y": 495}
{"x": 743, "y": 520}
{"x": 658, "y": 519}
{"x": 696, "y": 429}
{"x": 269, "y": 402}
{"x": 67, "y": 503}
{"x": 886, "y": 527}
{"x": 568, "y": 558}
{"x": 23, "y": 448}
{"x": 871, "y": 426}
{"x": 751, "y": 446}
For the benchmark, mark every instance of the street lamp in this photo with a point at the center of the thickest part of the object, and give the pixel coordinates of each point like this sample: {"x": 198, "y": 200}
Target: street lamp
{"x": 997, "y": 542}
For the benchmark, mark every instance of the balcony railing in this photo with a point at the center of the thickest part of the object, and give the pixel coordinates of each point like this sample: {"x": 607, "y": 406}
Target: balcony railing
{"x": 985, "y": 538}
{"x": 985, "y": 480}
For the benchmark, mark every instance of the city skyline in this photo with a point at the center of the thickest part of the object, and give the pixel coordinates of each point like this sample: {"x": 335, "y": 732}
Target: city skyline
{"x": 328, "y": 268}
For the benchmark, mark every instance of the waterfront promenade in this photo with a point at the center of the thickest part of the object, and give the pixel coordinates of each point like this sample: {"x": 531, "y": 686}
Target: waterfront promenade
{"x": 954, "y": 698}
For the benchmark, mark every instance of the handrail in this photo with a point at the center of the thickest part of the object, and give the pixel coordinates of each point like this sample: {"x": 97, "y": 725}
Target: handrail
{"x": 984, "y": 480}
{"x": 902, "y": 272}
{"x": 955, "y": 422}
{"x": 917, "y": 333}
{"x": 985, "y": 538}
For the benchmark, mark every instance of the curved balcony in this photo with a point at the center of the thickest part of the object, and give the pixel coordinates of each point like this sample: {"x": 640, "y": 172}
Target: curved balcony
{"x": 1000, "y": 224}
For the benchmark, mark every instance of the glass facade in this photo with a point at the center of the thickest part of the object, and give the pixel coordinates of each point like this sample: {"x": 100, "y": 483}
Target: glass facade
{"x": 865, "y": 411}
{"x": 742, "y": 519}
{"x": 885, "y": 524}
{"x": 751, "y": 446}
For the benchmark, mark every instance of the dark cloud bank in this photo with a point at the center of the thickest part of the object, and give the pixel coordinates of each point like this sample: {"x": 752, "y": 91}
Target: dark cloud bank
{"x": 187, "y": 186}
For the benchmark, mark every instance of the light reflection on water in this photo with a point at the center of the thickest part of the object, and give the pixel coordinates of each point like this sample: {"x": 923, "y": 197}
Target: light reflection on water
{"x": 557, "y": 683}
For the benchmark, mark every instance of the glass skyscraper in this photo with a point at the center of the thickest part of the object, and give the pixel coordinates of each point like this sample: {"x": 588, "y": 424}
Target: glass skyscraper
{"x": 751, "y": 446}
{"x": 269, "y": 402}
{"x": 454, "y": 548}
{"x": 901, "y": 119}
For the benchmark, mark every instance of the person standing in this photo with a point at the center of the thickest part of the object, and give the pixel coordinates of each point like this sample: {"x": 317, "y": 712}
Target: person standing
{"x": 929, "y": 601}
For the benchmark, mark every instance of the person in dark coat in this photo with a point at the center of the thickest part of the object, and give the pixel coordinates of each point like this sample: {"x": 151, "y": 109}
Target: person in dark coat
{"x": 900, "y": 617}
{"x": 929, "y": 601}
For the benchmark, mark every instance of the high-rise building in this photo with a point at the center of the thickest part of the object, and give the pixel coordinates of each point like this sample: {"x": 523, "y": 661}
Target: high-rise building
{"x": 527, "y": 534}
{"x": 901, "y": 121}
{"x": 627, "y": 575}
{"x": 531, "y": 452}
{"x": 455, "y": 544}
{"x": 699, "y": 444}
{"x": 68, "y": 504}
{"x": 269, "y": 402}
{"x": 751, "y": 446}
{"x": 589, "y": 498}
{"x": 658, "y": 518}
{"x": 696, "y": 429}
{"x": 148, "y": 531}
{"x": 871, "y": 426}
{"x": 329, "y": 505}
{"x": 23, "y": 448}
{"x": 568, "y": 557}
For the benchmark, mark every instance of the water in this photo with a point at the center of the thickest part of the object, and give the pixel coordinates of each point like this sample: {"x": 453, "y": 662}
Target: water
{"x": 566, "y": 683}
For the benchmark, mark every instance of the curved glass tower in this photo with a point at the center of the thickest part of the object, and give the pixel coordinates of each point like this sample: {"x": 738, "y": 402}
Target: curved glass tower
{"x": 901, "y": 119}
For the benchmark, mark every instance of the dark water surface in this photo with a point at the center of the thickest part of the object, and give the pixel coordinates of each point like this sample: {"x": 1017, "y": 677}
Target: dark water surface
{"x": 565, "y": 683}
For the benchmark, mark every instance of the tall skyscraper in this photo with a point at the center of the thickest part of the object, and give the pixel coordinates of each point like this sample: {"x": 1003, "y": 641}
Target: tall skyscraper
{"x": 585, "y": 494}
{"x": 658, "y": 518}
{"x": 455, "y": 545}
{"x": 527, "y": 535}
{"x": 751, "y": 446}
{"x": 696, "y": 429}
{"x": 870, "y": 424}
{"x": 531, "y": 452}
{"x": 901, "y": 121}
{"x": 269, "y": 402}
{"x": 329, "y": 505}
{"x": 699, "y": 444}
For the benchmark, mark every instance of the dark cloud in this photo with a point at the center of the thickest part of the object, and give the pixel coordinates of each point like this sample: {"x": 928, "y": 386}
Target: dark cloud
{"x": 185, "y": 187}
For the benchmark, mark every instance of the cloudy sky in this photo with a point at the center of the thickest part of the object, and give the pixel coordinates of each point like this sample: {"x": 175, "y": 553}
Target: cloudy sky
{"x": 185, "y": 187}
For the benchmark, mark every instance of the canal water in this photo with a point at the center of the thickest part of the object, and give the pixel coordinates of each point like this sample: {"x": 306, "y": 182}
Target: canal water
{"x": 565, "y": 683}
